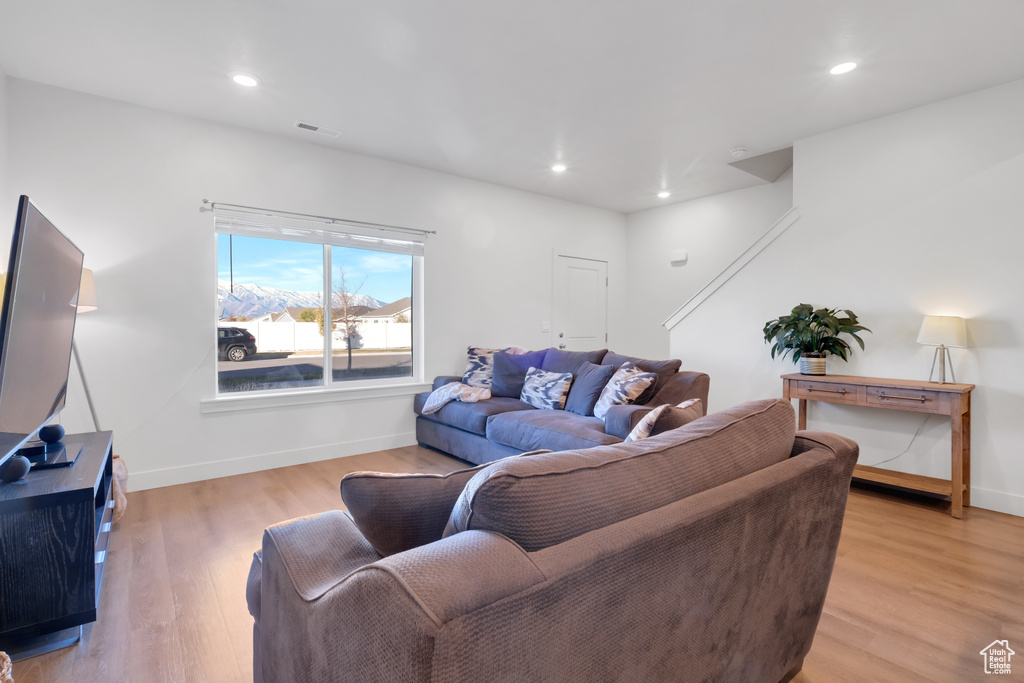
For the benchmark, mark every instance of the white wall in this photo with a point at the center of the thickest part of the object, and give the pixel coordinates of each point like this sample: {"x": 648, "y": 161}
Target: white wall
{"x": 912, "y": 214}
{"x": 126, "y": 182}
{"x": 712, "y": 230}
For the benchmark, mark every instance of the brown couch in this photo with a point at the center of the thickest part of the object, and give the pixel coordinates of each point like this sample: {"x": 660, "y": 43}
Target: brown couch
{"x": 700, "y": 554}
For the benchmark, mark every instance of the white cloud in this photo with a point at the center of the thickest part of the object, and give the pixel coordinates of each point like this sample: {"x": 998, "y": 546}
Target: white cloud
{"x": 378, "y": 262}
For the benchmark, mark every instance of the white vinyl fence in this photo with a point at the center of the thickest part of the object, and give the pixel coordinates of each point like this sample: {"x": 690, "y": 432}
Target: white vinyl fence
{"x": 306, "y": 336}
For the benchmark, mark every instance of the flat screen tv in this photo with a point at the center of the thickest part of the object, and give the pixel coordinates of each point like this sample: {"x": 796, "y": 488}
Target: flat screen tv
{"x": 37, "y": 326}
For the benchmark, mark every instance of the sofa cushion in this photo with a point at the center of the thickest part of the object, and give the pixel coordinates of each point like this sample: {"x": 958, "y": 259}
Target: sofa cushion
{"x": 557, "y": 430}
{"x": 480, "y": 365}
{"x": 397, "y": 512}
{"x": 664, "y": 369}
{"x": 666, "y": 417}
{"x": 510, "y": 371}
{"x": 586, "y": 387}
{"x": 471, "y": 417}
{"x": 557, "y": 360}
{"x": 626, "y": 386}
{"x": 548, "y": 499}
{"x": 546, "y": 390}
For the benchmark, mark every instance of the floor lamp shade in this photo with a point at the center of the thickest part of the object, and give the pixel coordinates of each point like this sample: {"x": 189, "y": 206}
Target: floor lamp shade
{"x": 87, "y": 293}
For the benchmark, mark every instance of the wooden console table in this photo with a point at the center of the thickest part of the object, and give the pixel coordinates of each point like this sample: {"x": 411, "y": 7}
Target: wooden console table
{"x": 953, "y": 400}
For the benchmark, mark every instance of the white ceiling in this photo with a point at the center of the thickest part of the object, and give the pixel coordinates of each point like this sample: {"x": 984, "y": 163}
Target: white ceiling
{"x": 632, "y": 95}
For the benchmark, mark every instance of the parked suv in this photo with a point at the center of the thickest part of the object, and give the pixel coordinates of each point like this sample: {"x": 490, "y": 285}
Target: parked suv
{"x": 234, "y": 343}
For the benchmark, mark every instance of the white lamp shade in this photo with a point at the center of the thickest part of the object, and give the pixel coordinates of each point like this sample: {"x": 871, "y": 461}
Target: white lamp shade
{"x": 87, "y": 293}
{"x": 943, "y": 330}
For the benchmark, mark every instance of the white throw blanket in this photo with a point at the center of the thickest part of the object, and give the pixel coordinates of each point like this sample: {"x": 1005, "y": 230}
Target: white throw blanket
{"x": 454, "y": 391}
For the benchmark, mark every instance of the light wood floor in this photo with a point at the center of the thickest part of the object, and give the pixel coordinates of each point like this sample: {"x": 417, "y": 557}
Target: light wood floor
{"x": 914, "y": 597}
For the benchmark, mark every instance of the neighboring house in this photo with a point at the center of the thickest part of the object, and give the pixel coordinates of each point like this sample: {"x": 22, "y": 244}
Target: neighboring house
{"x": 356, "y": 311}
{"x": 396, "y": 311}
{"x": 279, "y": 317}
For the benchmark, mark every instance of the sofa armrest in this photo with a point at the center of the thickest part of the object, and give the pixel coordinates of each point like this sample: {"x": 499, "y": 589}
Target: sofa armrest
{"x": 441, "y": 380}
{"x": 620, "y": 420}
{"x": 845, "y": 450}
{"x": 327, "y": 607}
{"x": 683, "y": 386}
{"x": 463, "y": 572}
{"x": 332, "y": 609}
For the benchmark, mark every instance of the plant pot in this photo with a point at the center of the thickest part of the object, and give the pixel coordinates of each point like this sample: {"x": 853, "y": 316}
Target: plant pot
{"x": 812, "y": 365}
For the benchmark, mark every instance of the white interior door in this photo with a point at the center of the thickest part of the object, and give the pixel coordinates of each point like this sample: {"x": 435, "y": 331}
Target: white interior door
{"x": 580, "y": 303}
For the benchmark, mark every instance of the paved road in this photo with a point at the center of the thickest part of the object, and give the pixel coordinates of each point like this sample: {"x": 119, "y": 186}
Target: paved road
{"x": 359, "y": 360}
{"x": 271, "y": 371}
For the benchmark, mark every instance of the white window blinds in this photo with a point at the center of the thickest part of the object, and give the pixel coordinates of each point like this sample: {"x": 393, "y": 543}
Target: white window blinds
{"x": 235, "y": 220}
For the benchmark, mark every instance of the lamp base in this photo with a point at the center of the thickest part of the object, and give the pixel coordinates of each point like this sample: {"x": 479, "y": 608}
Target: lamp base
{"x": 941, "y": 354}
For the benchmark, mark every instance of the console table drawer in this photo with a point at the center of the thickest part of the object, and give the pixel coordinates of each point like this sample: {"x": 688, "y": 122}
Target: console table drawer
{"x": 920, "y": 400}
{"x": 829, "y": 392}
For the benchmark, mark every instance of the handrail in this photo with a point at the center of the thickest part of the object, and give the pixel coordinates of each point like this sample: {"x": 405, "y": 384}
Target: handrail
{"x": 760, "y": 244}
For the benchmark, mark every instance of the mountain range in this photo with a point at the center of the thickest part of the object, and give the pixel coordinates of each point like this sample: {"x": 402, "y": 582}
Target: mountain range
{"x": 251, "y": 300}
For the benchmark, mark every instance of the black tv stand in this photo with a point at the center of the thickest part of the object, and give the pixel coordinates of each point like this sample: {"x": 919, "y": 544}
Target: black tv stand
{"x": 54, "y": 529}
{"x": 46, "y": 455}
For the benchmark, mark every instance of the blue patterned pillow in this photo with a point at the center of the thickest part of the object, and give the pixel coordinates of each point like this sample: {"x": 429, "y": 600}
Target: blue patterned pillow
{"x": 627, "y": 384}
{"x": 480, "y": 365}
{"x": 546, "y": 390}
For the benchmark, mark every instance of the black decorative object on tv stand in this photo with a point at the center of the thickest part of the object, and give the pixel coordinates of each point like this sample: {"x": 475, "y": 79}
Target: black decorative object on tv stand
{"x": 54, "y": 530}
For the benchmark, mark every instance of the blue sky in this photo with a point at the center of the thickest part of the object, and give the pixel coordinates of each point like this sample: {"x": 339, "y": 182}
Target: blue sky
{"x": 298, "y": 266}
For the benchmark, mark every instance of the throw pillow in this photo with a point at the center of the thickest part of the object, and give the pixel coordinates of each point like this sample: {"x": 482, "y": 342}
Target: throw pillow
{"x": 558, "y": 360}
{"x": 677, "y": 416}
{"x": 546, "y": 390}
{"x": 624, "y": 388}
{"x": 480, "y": 365}
{"x": 510, "y": 372}
{"x": 586, "y": 387}
{"x": 397, "y": 512}
{"x": 666, "y": 417}
{"x": 664, "y": 369}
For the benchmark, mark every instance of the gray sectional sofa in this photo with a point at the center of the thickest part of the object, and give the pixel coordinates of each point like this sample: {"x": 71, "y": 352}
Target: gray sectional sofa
{"x": 497, "y": 427}
{"x": 701, "y": 554}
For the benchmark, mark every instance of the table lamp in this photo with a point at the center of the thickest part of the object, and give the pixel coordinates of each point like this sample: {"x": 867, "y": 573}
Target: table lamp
{"x": 943, "y": 331}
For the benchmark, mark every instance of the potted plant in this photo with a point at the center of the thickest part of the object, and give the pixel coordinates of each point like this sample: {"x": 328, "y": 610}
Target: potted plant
{"x": 811, "y": 334}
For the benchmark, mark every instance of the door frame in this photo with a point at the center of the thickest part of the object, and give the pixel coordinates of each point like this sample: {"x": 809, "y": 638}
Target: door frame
{"x": 574, "y": 252}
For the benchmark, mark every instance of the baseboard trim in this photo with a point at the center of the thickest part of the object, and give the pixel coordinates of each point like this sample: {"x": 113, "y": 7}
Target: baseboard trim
{"x": 998, "y": 501}
{"x": 185, "y": 474}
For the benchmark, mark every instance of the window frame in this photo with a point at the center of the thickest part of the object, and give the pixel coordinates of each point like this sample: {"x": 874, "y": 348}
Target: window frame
{"x": 277, "y": 227}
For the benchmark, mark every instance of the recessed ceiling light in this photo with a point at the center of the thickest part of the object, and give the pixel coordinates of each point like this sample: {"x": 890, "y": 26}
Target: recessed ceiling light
{"x": 738, "y": 152}
{"x": 664, "y": 194}
{"x": 245, "y": 79}
{"x": 559, "y": 168}
{"x": 844, "y": 68}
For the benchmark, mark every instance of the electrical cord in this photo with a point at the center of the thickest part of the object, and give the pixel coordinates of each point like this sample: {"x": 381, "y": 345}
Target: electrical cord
{"x": 122, "y": 436}
{"x": 905, "y": 450}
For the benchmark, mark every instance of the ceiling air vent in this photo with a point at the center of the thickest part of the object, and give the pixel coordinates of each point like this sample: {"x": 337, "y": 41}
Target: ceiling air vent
{"x": 330, "y": 132}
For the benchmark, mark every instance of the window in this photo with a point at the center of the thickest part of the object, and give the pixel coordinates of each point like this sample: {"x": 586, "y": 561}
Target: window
{"x": 275, "y": 328}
